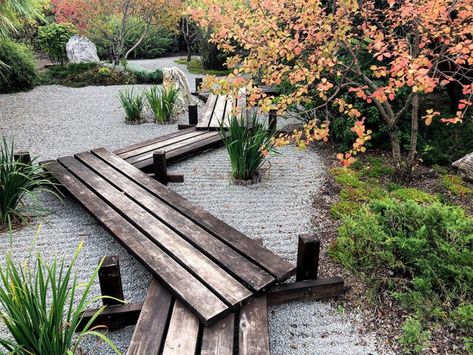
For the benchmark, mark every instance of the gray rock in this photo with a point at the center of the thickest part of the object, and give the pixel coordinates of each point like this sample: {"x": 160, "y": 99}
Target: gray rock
{"x": 81, "y": 50}
{"x": 465, "y": 167}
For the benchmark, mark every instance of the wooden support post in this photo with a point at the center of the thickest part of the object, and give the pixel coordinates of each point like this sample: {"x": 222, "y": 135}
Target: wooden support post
{"x": 272, "y": 120}
{"x": 307, "y": 257}
{"x": 160, "y": 167}
{"x": 113, "y": 317}
{"x": 198, "y": 84}
{"x": 316, "y": 289}
{"x": 111, "y": 281}
{"x": 193, "y": 115}
{"x": 22, "y": 157}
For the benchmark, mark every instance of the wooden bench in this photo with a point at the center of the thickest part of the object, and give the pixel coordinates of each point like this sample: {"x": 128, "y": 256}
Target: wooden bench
{"x": 207, "y": 265}
{"x": 219, "y": 109}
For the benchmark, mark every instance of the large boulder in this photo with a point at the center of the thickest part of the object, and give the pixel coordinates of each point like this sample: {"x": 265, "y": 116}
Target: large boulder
{"x": 81, "y": 50}
{"x": 465, "y": 167}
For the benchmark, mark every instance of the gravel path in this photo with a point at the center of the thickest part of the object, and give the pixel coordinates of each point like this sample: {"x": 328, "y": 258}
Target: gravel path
{"x": 54, "y": 121}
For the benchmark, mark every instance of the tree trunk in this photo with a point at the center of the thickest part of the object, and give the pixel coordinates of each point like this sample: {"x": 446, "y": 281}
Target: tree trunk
{"x": 395, "y": 147}
{"x": 189, "y": 51}
{"x": 414, "y": 129}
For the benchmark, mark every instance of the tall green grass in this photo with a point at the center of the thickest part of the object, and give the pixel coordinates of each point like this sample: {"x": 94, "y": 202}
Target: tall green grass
{"x": 19, "y": 182}
{"x": 248, "y": 143}
{"x": 132, "y": 104}
{"x": 42, "y": 307}
{"x": 162, "y": 101}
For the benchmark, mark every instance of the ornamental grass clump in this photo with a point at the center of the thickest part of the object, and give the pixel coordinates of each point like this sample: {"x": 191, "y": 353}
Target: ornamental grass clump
{"x": 19, "y": 181}
{"x": 162, "y": 102}
{"x": 42, "y": 307}
{"x": 248, "y": 143}
{"x": 132, "y": 104}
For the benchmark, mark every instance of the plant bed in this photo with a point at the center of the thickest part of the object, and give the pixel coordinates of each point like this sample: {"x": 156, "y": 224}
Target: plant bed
{"x": 254, "y": 180}
{"x": 383, "y": 297}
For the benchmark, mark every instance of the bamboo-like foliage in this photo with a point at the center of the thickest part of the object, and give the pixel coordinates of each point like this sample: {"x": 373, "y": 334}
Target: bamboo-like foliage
{"x": 42, "y": 307}
{"x": 11, "y": 11}
{"x": 162, "y": 101}
{"x": 132, "y": 104}
{"x": 248, "y": 143}
{"x": 19, "y": 181}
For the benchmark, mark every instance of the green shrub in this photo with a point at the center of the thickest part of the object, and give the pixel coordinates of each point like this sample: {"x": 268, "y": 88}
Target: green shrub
{"x": 162, "y": 101}
{"x": 17, "y": 181}
{"x": 348, "y": 178}
{"x": 39, "y": 326}
{"x": 456, "y": 185}
{"x": 132, "y": 104}
{"x": 408, "y": 193}
{"x": 342, "y": 209}
{"x": 18, "y": 71}
{"x": 53, "y": 39}
{"x": 195, "y": 66}
{"x": 247, "y": 144}
{"x": 144, "y": 76}
{"x": 422, "y": 253}
{"x": 414, "y": 340}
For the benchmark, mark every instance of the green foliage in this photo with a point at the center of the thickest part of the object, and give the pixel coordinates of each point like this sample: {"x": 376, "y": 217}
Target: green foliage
{"x": 407, "y": 193}
{"x": 195, "y": 66}
{"x": 348, "y": 178}
{"x": 422, "y": 253}
{"x": 53, "y": 39}
{"x": 132, "y": 104}
{"x": 40, "y": 326}
{"x": 144, "y": 76}
{"x": 12, "y": 12}
{"x": 162, "y": 101}
{"x": 375, "y": 168}
{"x": 414, "y": 340}
{"x": 17, "y": 181}
{"x": 158, "y": 42}
{"x": 247, "y": 143}
{"x": 18, "y": 71}
{"x": 456, "y": 185}
{"x": 344, "y": 208}
{"x": 212, "y": 57}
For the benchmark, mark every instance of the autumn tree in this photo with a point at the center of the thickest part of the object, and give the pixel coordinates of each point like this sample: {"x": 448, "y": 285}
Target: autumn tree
{"x": 387, "y": 54}
{"x": 113, "y": 20}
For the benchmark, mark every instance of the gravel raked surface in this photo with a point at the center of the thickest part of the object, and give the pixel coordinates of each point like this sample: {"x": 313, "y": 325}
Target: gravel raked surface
{"x": 54, "y": 121}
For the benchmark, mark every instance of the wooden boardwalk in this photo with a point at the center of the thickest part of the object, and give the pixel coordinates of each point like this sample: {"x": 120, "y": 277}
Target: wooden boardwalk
{"x": 207, "y": 265}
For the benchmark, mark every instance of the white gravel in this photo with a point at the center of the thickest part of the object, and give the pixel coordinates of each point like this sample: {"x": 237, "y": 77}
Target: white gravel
{"x": 54, "y": 121}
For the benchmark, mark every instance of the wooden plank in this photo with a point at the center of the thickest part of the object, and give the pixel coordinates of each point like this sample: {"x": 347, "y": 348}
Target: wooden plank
{"x": 110, "y": 280}
{"x": 145, "y": 155}
{"x": 183, "y": 332}
{"x": 261, "y": 256}
{"x": 233, "y": 262}
{"x": 218, "y": 338}
{"x": 182, "y": 283}
{"x": 202, "y": 267}
{"x": 112, "y": 317}
{"x": 219, "y": 111}
{"x": 308, "y": 251}
{"x": 152, "y": 141}
{"x": 160, "y": 145}
{"x": 229, "y": 108}
{"x": 208, "y": 112}
{"x": 253, "y": 336}
{"x": 149, "y": 334}
{"x": 186, "y": 151}
{"x": 316, "y": 289}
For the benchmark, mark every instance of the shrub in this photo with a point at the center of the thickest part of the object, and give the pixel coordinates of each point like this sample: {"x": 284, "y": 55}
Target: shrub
{"x": 17, "y": 181}
{"x": 414, "y": 340}
{"x": 17, "y": 67}
{"x": 132, "y": 104}
{"x": 53, "y": 39}
{"x": 422, "y": 253}
{"x": 162, "y": 101}
{"x": 144, "y": 76}
{"x": 41, "y": 308}
{"x": 456, "y": 185}
{"x": 407, "y": 193}
{"x": 247, "y": 143}
{"x": 342, "y": 209}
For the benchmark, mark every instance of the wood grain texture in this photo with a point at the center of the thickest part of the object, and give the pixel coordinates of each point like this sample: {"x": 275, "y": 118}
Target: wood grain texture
{"x": 207, "y": 114}
{"x": 182, "y": 333}
{"x": 229, "y": 259}
{"x": 260, "y": 255}
{"x": 202, "y": 267}
{"x": 218, "y": 338}
{"x": 253, "y": 336}
{"x": 171, "y": 274}
{"x": 149, "y": 334}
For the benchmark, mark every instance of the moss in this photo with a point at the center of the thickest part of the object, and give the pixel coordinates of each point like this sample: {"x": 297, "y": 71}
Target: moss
{"x": 346, "y": 177}
{"x": 375, "y": 168}
{"x": 409, "y": 193}
{"x": 354, "y": 194}
{"x": 344, "y": 208}
{"x": 456, "y": 185}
